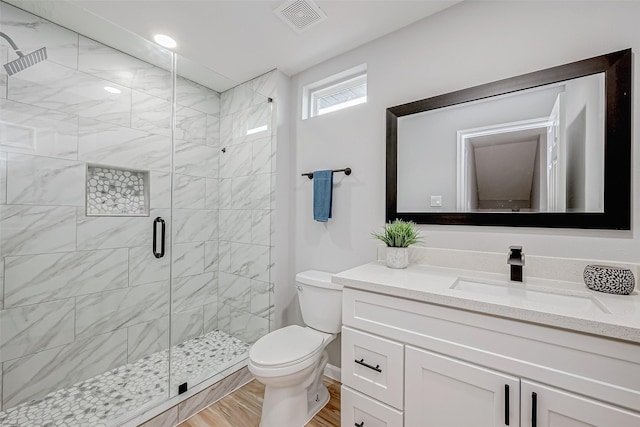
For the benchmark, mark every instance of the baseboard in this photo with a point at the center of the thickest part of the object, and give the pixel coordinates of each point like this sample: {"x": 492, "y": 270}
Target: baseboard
{"x": 332, "y": 372}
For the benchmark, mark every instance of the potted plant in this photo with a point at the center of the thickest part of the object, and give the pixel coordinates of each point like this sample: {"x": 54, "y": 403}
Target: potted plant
{"x": 398, "y": 236}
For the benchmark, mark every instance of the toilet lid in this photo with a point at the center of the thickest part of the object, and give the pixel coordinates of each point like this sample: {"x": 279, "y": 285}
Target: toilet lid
{"x": 286, "y": 346}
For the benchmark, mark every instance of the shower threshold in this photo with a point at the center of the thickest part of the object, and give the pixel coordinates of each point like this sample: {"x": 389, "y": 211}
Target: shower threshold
{"x": 125, "y": 391}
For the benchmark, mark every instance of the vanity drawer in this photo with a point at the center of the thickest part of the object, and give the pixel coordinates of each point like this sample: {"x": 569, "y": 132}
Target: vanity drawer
{"x": 373, "y": 365}
{"x": 360, "y": 410}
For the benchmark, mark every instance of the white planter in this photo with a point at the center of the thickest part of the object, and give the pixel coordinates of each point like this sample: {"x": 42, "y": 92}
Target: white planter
{"x": 397, "y": 257}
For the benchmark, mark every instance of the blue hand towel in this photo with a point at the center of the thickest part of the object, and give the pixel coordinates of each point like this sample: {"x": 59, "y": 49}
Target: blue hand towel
{"x": 322, "y": 194}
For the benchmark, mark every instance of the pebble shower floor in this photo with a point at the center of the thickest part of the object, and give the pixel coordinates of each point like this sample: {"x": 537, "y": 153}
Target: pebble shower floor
{"x": 102, "y": 400}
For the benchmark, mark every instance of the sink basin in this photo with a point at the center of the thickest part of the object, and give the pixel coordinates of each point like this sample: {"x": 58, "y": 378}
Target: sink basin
{"x": 582, "y": 301}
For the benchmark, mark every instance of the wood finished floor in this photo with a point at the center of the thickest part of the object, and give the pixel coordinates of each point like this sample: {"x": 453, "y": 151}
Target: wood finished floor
{"x": 242, "y": 408}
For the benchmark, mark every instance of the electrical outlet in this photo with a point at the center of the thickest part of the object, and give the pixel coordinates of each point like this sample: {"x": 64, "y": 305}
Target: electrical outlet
{"x": 436, "y": 201}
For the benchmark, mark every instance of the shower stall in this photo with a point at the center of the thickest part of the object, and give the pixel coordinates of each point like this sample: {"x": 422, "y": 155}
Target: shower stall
{"x": 136, "y": 212}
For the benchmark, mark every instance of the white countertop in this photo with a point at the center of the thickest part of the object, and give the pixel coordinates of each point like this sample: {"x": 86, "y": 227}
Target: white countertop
{"x": 611, "y": 316}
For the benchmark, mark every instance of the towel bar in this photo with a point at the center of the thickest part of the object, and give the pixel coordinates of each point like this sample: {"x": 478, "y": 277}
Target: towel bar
{"x": 347, "y": 171}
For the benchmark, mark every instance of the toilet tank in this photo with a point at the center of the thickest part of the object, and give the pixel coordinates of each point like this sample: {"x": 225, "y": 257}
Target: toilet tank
{"x": 320, "y": 301}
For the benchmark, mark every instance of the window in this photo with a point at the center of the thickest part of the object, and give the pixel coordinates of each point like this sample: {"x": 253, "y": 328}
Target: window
{"x": 334, "y": 93}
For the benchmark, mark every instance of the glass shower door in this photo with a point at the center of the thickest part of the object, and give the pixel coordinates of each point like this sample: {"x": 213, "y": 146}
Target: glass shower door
{"x": 221, "y": 226}
{"x": 85, "y": 168}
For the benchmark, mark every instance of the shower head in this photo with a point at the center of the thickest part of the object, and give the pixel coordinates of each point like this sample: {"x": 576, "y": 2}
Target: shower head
{"x": 24, "y": 61}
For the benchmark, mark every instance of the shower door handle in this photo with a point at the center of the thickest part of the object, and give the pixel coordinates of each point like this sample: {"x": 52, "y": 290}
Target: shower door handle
{"x": 157, "y": 221}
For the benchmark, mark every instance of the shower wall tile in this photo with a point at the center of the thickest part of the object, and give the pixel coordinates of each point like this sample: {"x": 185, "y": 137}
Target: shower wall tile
{"x": 192, "y": 225}
{"x": 247, "y": 327}
{"x": 33, "y": 376}
{"x": 234, "y": 291}
{"x": 191, "y": 291}
{"x": 261, "y": 156}
{"x": 186, "y": 325}
{"x": 116, "y": 232}
{"x": 160, "y": 189}
{"x": 147, "y": 338}
{"x": 212, "y": 200}
{"x": 150, "y": 113}
{"x": 224, "y": 317}
{"x": 35, "y": 180}
{"x": 36, "y": 229}
{"x": 261, "y": 227}
{"x": 31, "y": 32}
{"x": 62, "y": 89}
{"x": 239, "y": 98}
{"x": 210, "y": 317}
{"x": 252, "y": 123}
{"x": 3, "y": 178}
{"x": 226, "y": 130}
{"x": 146, "y": 268}
{"x": 224, "y": 193}
{"x": 110, "y": 64}
{"x": 188, "y": 192}
{"x": 260, "y": 298}
{"x": 30, "y": 329}
{"x": 251, "y": 192}
{"x": 251, "y": 261}
{"x": 35, "y": 279}
{"x": 266, "y": 84}
{"x": 235, "y": 225}
{"x": 111, "y": 310}
{"x": 195, "y": 159}
{"x": 191, "y": 94}
{"x": 213, "y": 130}
{"x": 4, "y": 55}
{"x": 224, "y": 256}
{"x": 211, "y": 260}
{"x": 32, "y": 130}
{"x": 123, "y": 147}
{"x": 188, "y": 259}
{"x": 242, "y": 192}
{"x": 236, "y": 161}
{"x": 191, "y": 125}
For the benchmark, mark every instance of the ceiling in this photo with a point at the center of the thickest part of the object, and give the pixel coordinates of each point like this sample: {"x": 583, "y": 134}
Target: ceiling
{"x": 239, "y": 39}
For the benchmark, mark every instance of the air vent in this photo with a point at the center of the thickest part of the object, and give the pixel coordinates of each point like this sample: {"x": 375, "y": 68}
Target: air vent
{"x": 300, "y": 14}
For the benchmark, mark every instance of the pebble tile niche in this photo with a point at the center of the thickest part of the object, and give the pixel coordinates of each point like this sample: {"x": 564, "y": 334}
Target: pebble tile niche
{"x": 117, "y": 192}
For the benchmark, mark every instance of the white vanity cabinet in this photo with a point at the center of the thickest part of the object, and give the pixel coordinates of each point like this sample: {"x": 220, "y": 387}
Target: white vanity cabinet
{"x": 441, "y": 391}
{"x": 414, "y": 364}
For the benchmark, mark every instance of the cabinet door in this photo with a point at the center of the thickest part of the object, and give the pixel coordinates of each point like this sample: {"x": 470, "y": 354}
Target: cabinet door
{"x": 556, "y": 408}
{"x": 445, "y": 392}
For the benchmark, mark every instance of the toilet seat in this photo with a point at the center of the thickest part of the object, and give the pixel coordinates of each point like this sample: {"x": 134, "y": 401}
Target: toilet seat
{"x": 286, "y": 351}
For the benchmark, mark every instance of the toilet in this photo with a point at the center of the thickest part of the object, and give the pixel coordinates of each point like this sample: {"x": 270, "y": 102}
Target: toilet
{"x": 290, "y": 362}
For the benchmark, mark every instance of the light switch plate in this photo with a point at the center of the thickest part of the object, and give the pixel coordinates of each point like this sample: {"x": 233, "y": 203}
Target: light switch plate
{"x": 436, "y": 201}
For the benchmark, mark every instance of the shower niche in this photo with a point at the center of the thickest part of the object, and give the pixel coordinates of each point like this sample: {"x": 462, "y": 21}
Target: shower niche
{"x": 115, "y": 191}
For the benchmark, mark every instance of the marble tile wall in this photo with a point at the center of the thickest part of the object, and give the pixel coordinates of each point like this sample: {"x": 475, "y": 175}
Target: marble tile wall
{"x": 81, "y": 295}
{"x": 245, "y": 198}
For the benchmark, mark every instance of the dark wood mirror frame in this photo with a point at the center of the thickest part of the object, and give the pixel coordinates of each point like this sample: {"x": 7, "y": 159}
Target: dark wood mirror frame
{"x": 617, "y": 144}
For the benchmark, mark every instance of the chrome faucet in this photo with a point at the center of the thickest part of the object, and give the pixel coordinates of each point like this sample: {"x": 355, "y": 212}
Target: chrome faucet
{"x": 515, "y": 259}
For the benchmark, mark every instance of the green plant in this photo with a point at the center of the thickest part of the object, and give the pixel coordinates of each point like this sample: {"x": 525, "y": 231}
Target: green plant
{"x": 398, "y": 234}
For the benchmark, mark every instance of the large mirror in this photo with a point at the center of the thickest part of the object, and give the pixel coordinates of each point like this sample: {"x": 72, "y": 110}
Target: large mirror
{"x": 546, "y": 149}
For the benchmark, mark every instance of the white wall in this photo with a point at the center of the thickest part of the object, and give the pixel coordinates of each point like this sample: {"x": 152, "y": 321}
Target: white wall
{"x": 469, "y": 44}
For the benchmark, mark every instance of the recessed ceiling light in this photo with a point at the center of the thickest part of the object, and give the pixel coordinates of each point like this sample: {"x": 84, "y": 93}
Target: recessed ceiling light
{"x": 165, "y": 41}
{"x": 112, "y": 89}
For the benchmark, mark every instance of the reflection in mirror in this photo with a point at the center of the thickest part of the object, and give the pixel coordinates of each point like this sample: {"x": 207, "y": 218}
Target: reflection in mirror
{"x": 539, "y": 150}
{"x": 551, "y": 148}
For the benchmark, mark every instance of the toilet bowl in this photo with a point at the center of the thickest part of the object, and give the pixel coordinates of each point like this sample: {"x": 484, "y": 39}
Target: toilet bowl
{"x": 290, "y": 362}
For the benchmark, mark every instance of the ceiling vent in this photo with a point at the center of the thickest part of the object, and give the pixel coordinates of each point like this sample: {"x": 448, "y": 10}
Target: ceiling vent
{"x": 300, "y": 14}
